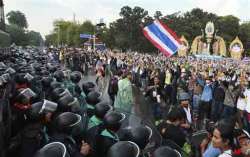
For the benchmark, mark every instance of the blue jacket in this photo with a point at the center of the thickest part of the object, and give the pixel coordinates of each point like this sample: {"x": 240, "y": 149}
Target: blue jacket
{"x": 207, "y": 93}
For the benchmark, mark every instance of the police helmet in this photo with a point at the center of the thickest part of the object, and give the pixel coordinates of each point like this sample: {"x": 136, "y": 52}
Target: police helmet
{"x": 75, "y": 76}
{"x": 59, "y": 75}
{"x": 101, "y": 109}
{"x": 124, "y": 149}
{"x": 46, "y": 81}
{"x": 166, "y": 151}
{"x": 88, "y": 87}
{"x": 141, "y": 135}
{"x": 113, "y": 120}
{"x": 93, "y": 98}
{"x": 54, "y": 149}
{"x": 67, "y": 121}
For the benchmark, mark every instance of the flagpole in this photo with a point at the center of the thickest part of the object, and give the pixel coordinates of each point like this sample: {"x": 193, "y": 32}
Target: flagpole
{"x": 94, "y": 42}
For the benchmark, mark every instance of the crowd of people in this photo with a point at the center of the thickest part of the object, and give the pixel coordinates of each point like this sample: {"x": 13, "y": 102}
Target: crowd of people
{"x": 198, "y": 106}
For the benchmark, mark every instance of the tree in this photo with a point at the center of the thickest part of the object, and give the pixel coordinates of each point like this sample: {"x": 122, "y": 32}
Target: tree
{"x": 17, "y": 18}
{"x": 228, "y": 27}
{"x": 51, "y": 39}
{"x": 18, "y": 35}
{"x": 127, "y": 29}
{"x": 244, "y": 34}
{"x": 60, "y": 29}
{"x": 4, "y": 39}
{"x": 34, "y": 38}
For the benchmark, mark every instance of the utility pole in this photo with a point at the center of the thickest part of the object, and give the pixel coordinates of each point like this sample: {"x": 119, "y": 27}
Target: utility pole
{"x": 2, "y": 16}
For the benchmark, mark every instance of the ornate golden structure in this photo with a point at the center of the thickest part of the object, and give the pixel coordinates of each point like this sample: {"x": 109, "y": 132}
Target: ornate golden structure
{"x": 236, "y": 48}
{"x": 219, "y": 47}
{"x": 182, "y": 52}
{"x": 209, "y": 43}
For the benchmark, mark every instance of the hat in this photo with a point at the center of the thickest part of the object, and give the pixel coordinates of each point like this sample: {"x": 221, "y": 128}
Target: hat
{"x": 184, "y": 96}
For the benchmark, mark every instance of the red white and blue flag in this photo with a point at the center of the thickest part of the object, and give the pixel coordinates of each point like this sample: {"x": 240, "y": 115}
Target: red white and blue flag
{"x": 162, "y": 37}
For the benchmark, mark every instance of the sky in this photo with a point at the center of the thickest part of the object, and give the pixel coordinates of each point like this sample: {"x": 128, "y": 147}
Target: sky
{"x": 41, "y": 13}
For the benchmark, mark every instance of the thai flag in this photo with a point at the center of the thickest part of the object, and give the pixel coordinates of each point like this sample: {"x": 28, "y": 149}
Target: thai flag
{"x": 162, "y": 37}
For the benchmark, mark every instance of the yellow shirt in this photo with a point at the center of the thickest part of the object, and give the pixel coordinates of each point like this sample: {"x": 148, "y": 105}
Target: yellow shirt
{"x": 168, "y": 78}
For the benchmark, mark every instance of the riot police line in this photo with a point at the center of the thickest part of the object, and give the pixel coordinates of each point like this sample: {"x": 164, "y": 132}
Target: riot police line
{"x": 45, "y": 112}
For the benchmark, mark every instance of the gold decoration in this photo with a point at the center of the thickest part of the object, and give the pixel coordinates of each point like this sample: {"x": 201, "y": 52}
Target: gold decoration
{"x": 195, "y": 45}
{"x": 219, "y": 46}
{"x": 182, "y": 52}
{"x": 222, "y": 50}
{"x": 236, "y": 48}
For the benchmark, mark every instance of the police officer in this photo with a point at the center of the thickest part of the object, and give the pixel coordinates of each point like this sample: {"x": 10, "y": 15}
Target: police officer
{"x": 99, "y": 112}
{"x": 92, "y": 99}
{"x": 88, "y": 87}
{"x": 75, "y": 78}
{"x": 108, "y": 136}
{"x": 140, "y": 135}
{"x": 95, "y": 124}
{"x": 34, "y": 133}
{"x": 67, "y": 125}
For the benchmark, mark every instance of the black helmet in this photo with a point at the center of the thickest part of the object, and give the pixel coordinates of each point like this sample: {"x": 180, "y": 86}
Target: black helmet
{"x": 102, "y": 108}
{"x": 75, "y": 76}
{"x": 59, "y": 75}
{"x": 66, "y": 102}
{"x": 44, "y": 106}
{"x": 59, "y": 92}
{"x": 19, "y": 78}
{"x": 10, "y": 71}
{"x": 166, "y": 152}
{"x": 46, "y": 81}
{"x": 88, "y": 87}
{"x": 54, "y": 149}
{"x": 5, "y": 78}
{"x": 55, "y": 85}
{"x": 140, "y": 135}
{"x": 93, "y": 98}
{"x": 2, "y": 66}
{"x": 124, "y": 149}
{"x": 67, "y": 121}
{"x": 25, "y": 95}
{"x": 113, "y": 120}
{"x": 36, "y": 67}
{"x": 51, "y": 68}
{"x": 28, "y": 77}
{"x": 45, "y": 73}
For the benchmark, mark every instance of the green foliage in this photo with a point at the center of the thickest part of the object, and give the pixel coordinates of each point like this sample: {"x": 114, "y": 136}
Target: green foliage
{"x": 228, "y": 27}
{"x": 18, "y": 35}
{"x": 4, "y": 39}
{"x": 68, "y": 33}
{"x": 34, "y": 38}
{"x": 17, "y": 18}
{"x": 51, "y": 39}
{"x": 244, "y": 33}
{"x": 18, "y": 32}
